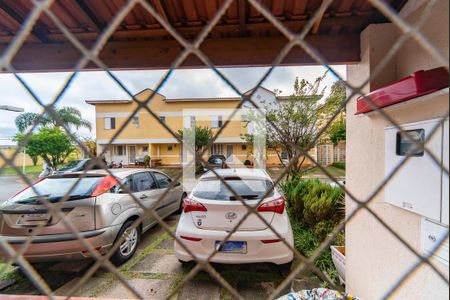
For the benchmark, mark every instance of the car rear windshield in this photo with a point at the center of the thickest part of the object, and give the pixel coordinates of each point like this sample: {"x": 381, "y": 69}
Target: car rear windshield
{"x": 248, "y": 189}
{"x": 54, "y": 189}
{"x": 71, "y": 165}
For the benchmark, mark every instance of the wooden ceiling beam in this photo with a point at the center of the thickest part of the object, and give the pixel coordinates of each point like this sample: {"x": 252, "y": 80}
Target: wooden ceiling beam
{"x": 232, "y": 52}
{"x": 316, "y": 26}
{"x": 14, "y": 18}
{"x": 243, "y": 17}
{"x": 99, "y": 25}
{"x": 160, "y": 9}
{"x": 294, "y": 26}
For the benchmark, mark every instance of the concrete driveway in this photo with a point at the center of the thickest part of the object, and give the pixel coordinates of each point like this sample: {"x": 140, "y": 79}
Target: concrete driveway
{"x": 155, "y": 272}
{"x": 9, "y": 185}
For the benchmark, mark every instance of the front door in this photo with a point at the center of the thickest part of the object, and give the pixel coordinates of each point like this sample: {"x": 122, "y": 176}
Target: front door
{"x": 229, "y": 150}
{"x": 132, "y": 154}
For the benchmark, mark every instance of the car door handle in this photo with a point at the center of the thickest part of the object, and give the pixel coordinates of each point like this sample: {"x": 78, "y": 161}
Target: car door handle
{"x": 143, "y": 197}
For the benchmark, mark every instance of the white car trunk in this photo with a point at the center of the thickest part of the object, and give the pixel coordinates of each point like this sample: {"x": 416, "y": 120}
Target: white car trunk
{"x": 225, "y": 215}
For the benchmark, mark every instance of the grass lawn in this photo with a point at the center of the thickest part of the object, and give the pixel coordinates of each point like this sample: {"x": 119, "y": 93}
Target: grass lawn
{"x": 171, "y": 172}
{"x": 29, "y": 170}
{"x": 335, "y": 172}
{"x": 315, "y": 172}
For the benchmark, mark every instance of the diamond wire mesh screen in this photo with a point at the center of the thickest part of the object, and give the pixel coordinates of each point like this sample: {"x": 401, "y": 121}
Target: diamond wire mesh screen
{"x": 16, "y": 254}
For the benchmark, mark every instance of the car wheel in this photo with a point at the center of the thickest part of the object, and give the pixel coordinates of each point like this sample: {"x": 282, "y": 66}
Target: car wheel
{"x": 180, "y": 209}
{"x": 187, "y": 264}
{"x": 128, "y": 247}
{"x": 285, "y": 269}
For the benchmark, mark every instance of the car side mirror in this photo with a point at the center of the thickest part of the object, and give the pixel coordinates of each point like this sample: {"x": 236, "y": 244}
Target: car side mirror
{"x": 178, "y": 184}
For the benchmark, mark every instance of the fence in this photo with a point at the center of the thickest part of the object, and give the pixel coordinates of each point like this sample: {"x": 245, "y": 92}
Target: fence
{"x": 194, "y": 48}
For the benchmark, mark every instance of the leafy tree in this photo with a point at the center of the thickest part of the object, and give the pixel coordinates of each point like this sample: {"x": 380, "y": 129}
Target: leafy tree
{"x": 296, "y": 121}
{"x": 337, "y": 131}
{"x": 202, "y": 136}
{"x": 91, "y": 145}
{"x": 70, "y": 116}
{"x": 335, "y": 100}
{"x": 51, "y": 143}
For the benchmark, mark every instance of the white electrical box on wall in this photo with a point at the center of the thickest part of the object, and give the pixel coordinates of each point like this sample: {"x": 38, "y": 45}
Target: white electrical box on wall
{"x": 432, "y": 235}
{"x": 445, "y": 181}
{"x": 419, "y": 185}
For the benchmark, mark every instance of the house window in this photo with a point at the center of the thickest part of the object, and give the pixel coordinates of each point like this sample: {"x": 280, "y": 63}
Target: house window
{"x": 136, "y": 121}
{"x": 216, "y": 121}
{"x": 162, "y": 120}
{"x": 110, "y": 123}
{"x": 145, "y": 149}
{"x": 193, "y": 121}
{"x": 169, "y": 148}
{"x": 121, "y": 150}
{"x": 284, "y": 155}
{"x": 217, "y": 149}
{"x": 244, "y": 147}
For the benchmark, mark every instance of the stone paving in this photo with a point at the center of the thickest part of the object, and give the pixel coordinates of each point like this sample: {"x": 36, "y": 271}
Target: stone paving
{"x": 155, "y": 272}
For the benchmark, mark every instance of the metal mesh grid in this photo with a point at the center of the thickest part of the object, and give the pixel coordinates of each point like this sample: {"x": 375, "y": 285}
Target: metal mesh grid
{"x": 294, "y": 40}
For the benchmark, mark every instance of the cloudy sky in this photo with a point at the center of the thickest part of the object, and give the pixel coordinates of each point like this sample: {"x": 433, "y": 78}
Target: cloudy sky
{"x": 181, "y": 84}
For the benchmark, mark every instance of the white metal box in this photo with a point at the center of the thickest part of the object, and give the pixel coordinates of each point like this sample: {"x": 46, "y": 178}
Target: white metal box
{"x": 445, "y": 181}
{"x": 418, "y": 185}
{"x": 431, "y": 236}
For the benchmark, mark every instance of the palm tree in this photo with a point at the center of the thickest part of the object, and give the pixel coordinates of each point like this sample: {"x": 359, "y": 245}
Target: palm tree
{"x": 69, "y": 116}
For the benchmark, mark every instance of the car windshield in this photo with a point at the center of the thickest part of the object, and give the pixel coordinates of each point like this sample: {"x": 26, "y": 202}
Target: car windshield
{"x": 215, "y": 160}
{"x": 72, "y": 164}
{"x": 248, "y": 189}
{"x": 54, "y": 189}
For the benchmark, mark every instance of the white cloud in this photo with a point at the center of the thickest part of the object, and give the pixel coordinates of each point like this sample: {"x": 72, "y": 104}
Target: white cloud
{"x": 181, "y": 84}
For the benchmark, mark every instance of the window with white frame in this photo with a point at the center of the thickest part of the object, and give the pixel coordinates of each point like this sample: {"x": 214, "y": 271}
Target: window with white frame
{"x": 136, "y": 120}
{"x": 193, "y": 121}
{"x": 217, "y": 149}
{"x": 216, "y": 121}
{"x": 110, "y": 123}
{"x": 121, "y": 150}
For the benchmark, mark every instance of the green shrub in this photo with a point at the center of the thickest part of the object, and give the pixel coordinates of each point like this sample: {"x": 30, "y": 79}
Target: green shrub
{"x": 323, "y": 229}
{"x": 339, "y": 165}
{"x": 315, "y": 208}
{"x": 313, "y": 201}
{"x": 293, "y": 190}
{"x": 306, "y": 242}
{"x": 325, "y": 263}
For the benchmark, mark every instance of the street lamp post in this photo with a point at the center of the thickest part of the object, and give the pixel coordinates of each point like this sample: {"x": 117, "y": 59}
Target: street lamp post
{"x": 11, "y": 108}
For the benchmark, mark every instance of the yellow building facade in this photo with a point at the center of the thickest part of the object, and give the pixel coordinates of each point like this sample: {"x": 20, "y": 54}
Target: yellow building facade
{"x": 144, "y": 134}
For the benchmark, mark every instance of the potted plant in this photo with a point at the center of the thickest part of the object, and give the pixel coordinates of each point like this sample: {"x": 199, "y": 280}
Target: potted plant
{"x": 338, "y": 256}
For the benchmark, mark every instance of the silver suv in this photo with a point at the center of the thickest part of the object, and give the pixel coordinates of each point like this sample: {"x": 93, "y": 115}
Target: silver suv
{"x": 98, "y": 208}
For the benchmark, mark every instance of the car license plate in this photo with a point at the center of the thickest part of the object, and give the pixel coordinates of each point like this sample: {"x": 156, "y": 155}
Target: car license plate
{"x": 232, "y": 247}
{"x": 32, "y": 218}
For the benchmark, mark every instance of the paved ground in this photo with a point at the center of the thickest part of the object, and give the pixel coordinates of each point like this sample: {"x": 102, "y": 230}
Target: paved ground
{"x": 9, "y": 186}
{"x": 155, "y": 272}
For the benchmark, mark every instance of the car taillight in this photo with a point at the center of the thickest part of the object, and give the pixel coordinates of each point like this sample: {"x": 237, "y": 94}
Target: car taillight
{"x": 105, "y": 185}
{"x": 276, "y": 206}
{"x": 192, "y": 205}
{"x": 271, "y": 241}
{"x": 192, "y": 239}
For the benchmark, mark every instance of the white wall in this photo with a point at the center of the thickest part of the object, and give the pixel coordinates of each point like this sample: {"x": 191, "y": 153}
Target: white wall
{"x": 375, "y": 259}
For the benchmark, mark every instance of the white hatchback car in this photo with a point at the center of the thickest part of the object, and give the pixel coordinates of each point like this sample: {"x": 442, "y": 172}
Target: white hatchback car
{"x": 211, "y": 211}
